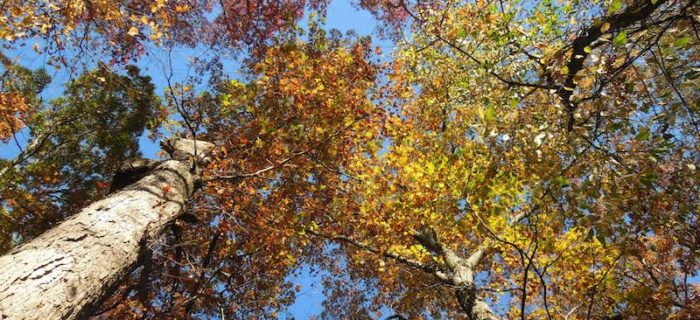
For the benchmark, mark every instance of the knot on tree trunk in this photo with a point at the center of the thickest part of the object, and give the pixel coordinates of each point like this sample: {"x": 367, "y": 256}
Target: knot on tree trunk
{"x": 130, "y": 172}
{"x": 185, "y": 150}
{"x": 472, "y": 304}
{"x": 180, "y": 173}
{"x": 196, "y": 151}
{"x": 466, "y": 294}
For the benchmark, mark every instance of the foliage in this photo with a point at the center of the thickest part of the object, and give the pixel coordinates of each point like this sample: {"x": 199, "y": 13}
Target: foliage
{"x": 578, "y": 178}
{"x": 280, "y": 133}
{"x": 123, "y": 29}
{"x": 533, "y": 158}
{"x": 77, "y": 143}
{"x": 18, "y": 96}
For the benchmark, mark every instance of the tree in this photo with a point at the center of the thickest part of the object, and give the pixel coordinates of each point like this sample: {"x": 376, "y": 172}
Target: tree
{"x": 66, "y": 271}
{"x": 77, "y": 143}
{"x": 289, "y": 114}
{"x": 519, "y": 159}
{"x": 124, "y": 29}
{"x": 303, "y": 110}
{"x": 511, "y": 164}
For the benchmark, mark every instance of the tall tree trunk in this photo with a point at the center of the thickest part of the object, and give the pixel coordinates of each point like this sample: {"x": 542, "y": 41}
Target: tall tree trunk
{"x": 65, "y": 272}
{"x": 462, "y": 274}
{"x": 466, "y": 291}
{"x": 475, "y": 307}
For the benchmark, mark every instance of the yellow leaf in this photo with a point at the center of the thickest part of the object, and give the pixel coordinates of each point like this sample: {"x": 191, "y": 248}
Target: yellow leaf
{"x": 133, "y": 32}
{"x": 431, "y": 168}
{"x": 180, "y": 8}
{"x": 156, "y": 36}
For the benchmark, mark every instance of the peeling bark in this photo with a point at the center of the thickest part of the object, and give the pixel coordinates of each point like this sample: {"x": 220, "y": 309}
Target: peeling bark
{"x": 65, "y": 272}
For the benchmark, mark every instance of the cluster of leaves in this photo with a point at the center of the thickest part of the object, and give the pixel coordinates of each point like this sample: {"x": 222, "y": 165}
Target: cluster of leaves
{"x": 76, "y": 144}
{"x": 302, "y": 109}
{"x": 12, "y": 109}
{"x": 502, "y": 138}
{"x": 19, "y": 98}
{"x": 123, "y": 29}
{"x": 550, "y": 145}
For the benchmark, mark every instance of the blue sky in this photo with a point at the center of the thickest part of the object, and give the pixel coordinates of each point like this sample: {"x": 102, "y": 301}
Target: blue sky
{"x": 341, "y": 15}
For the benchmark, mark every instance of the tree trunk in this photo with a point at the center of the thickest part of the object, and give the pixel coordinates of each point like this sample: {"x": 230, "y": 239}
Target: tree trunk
{"x": 67, "y": 271}
{"x": 463, "y": 273}
{"x": 475, "y": 307}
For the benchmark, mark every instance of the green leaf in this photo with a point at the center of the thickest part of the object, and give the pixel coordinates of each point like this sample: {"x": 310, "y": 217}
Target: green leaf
{"x": 682, "y": 41}
{"x": 643, "y": 135}
{"x": 514, "y": 102}
{"x": 614, "y": 6}
{"x": 616, "y": 126}
{"x": 587, "y": 49}
{"x": 620, "y": 39}
{"x": 649, "y": 177}
{"x": 462, "y": 34}
{"x": 491, "y": 113}
{"x": 659, "y": 150}
{"x": 563, "y": 181}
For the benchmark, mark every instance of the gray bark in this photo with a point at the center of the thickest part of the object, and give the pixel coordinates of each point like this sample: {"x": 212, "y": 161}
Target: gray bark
{"x": 65, "y": 272}
{"x": 462, "y": 273}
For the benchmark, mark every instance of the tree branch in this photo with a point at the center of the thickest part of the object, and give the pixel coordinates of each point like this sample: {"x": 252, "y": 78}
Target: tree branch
{"x": 387, "y": 254}
{"x": 638, "y": 11}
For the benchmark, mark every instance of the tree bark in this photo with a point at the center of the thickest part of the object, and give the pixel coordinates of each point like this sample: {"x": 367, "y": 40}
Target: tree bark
{"x": 466, "y": 292}
{"x": 462, "y": 274}
{"x": 475, "y": 307}
{"x": 67, "y": 271}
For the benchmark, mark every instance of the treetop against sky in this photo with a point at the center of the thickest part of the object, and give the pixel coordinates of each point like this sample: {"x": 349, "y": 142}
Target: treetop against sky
{"x": 373, "y": 159}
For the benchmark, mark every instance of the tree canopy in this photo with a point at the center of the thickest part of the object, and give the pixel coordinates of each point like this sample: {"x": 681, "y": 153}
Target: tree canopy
{"x": 504, "y": 159}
